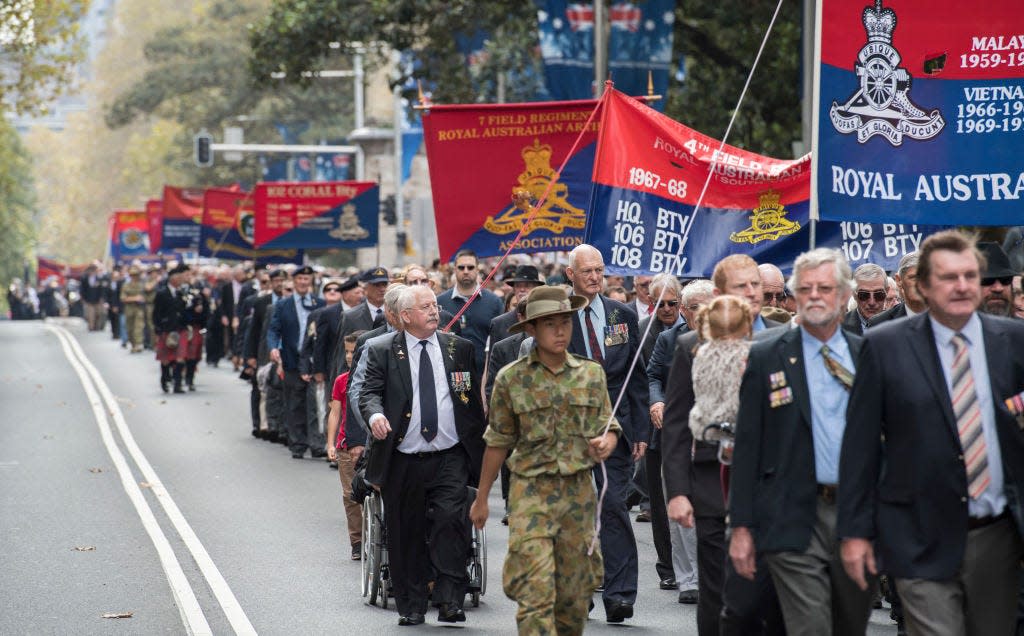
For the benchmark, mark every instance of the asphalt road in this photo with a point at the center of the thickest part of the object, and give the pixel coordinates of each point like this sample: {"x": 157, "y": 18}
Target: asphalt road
{"x": 165, "y": 507}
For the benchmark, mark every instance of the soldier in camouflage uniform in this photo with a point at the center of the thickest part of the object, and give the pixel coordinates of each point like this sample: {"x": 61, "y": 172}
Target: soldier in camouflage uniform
{"x": 152, "y": 284}
{"x": 551, "y": 408}
{"x": 133, "y": 299}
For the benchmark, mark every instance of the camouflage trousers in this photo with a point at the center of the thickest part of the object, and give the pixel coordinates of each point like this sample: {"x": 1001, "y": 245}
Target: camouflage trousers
{"x": 135, "y": 323}
{"x": 547, "y": 570}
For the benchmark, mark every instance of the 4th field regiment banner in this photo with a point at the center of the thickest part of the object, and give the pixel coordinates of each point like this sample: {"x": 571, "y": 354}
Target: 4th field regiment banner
{"x": 480, "y": 154}
{"x": 316, "y": 215}
{"x": 920, "y": 111}
{"x": 649, "y": 172}
{"x": 229, "y": 230}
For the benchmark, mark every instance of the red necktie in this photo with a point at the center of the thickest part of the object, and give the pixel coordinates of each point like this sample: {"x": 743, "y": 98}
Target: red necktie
{"x": 595, "y": 345}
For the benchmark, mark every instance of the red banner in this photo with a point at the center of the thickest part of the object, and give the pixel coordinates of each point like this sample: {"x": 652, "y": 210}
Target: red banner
{"x": 480, "y": 154}
{"x": 47, "y": 267}
{"x": 129, "y": 234}
{"x": 155, "y": 223}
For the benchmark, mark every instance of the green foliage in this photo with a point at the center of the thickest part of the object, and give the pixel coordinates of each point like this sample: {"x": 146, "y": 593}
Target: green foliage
{"x": 718, "y": 38}
{"x": 39, "y": 47}
{"x": 17, "y": 203}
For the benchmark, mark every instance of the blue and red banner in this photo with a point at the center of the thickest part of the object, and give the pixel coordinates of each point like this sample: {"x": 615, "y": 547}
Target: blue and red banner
{"x": 337, "y": 214}
{"x": 566, "y": 32}
{"x": 640, "y": 42}
{"x": 648, "y": 175}
{"x": 182, "y": 215}
{"x": 129, "y": 235}
{"x": 480, "y": 154}
{"x": 229, "y": 230}
{"x": 920, "y": 111}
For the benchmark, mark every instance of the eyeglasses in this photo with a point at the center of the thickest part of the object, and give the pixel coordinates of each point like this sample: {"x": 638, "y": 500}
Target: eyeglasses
{"x": 667, "y": 303}
{"x": 776, "y": 297}
{"x": 643, "y": 285}
{"x": 465, "y": 268}
{"x": 417, "y": 281}
{"x": 693, "y": 307}
{"x": 1002, "y": 280}
{"x": 864, "y": 295}
{"x": 427, "y": 307}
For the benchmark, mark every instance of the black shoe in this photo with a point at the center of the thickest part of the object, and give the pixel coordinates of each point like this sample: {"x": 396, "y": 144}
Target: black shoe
{"x": 332, "y": 465}
{"x": 318, "y": 454}
{"x": 643, "y": 517}
{"x": 178, "y": 389}
{"x": 618, "y": 611}
{"x": 357, "y": 552}
{"x": 256, "y": 433}
{"x": 450, "y": 613}
{"x": 688, "y": 597}
{"x": 191, "y": 387}
{"x": 668, "y": 584}
{"x": 298, "y": 455}
{"x": 165, "y": 385}
{"x": 408, "y": 620}
{"x": 504, "y": 520}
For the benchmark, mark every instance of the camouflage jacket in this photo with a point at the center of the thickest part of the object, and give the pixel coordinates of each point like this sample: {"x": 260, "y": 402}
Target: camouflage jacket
{"x": 548, "y": 418}
{"x": 131, "y": 288}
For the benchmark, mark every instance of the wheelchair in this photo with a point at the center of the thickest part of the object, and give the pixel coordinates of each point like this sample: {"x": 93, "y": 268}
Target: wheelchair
{"x": 376, "y": 577}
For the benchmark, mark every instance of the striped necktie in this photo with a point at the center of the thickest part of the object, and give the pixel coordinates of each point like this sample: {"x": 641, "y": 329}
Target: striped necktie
{"x": 838, "y": 371}
{"x": 968, "y": 419}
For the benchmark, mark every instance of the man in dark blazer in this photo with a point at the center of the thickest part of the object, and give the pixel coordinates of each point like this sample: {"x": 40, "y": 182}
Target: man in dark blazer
{"x": 256, "y": 353}
{"x": 366, "y": 316}
{"x": 329, "y": 325}
{"x": 937, "y": 505}
{"x": 906, "y": 281}
{"x": 607, "y": 331}
{"x": 693, "y": 485}
{"x": 522, "y": 281}
{"x": 421, "y": 398}
{"x": 285, "y": 334}
{"x": 792, "y": 408}
{"x": 870, "y": 288}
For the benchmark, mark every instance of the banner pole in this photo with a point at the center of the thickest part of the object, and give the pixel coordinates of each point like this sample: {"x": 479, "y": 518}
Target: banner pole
{"x": 813, "y": 232}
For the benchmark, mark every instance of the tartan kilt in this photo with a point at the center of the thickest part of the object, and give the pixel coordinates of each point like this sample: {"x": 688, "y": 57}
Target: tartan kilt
{"x": 167, "y": 355}
{"x": 194, "y": 346}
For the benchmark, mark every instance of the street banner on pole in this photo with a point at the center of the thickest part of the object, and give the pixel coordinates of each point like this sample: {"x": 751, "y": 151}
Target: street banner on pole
{"x": 336, "y": 214}
{"x": 648, "y": 175}
{"x": 566, "y": 31}
{"x": 129, "y": 235}
{"x": 228, "y": 230}
{"x": 640, "y": 42}
{"x": 480, "y": 154}
{"x": 182, "y": 214}
{"x": 919, "y": 111}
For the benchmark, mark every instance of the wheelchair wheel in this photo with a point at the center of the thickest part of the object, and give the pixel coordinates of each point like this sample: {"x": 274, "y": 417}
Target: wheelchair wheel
{"x": 482, "y": 543}
{"x": 375, "y": 540}
{"x": 364, "y": 564}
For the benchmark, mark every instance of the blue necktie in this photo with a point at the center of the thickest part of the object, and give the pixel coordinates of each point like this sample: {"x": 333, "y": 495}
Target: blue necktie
{"x": 428, "y": 399}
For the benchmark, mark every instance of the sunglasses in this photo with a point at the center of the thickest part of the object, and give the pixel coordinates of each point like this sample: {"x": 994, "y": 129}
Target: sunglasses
{"x": 1002, "y": 280}
{"x": 465, "y": 268}
{"x": 289, "y": 289}
{"x": 777, "y": 297}
{"x": 878, "y": 295}
{"x": 332, "y": 290}
{"x": 667, "y": 303}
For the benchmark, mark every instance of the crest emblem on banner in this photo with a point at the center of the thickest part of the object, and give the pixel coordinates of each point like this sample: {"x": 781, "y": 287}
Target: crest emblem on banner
{"x": 768, "y": 222}
{"x": 133, "y": 239}
{"x": 348, "y": 225}
{"x": 555, "y": 215}
{"x": 882, "y": 105}
{"x": 245, "y": 223}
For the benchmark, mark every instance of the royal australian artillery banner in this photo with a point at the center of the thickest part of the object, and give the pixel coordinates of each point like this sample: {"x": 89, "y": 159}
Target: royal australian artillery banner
{"x": 480, "y": 154}
{"x": 648, "y": 175}
{"x": 920, "y": 111}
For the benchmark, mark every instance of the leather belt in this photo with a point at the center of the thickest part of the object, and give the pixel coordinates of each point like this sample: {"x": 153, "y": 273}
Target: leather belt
{"x": 973, "y": 523}
{"x": 426, "y": 454}
{"x": 827, "y": 493}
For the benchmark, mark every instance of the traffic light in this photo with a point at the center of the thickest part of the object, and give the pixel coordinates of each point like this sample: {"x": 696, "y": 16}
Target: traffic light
{"x": 388, "y": 210}
{"x": 203, "y": 149}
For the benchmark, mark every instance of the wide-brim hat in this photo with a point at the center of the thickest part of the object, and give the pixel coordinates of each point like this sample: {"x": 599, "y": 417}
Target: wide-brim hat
{"x": 998, "y": 263}
{"x": 548, "y": 301}
{"x": 525, "y": 274}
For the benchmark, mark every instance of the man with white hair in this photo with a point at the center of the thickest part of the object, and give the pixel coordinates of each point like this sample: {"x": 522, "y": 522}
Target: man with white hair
{"x": 870, "y": 287}
{"x": 905, "y": 278}
{"x": 773, "y": 286}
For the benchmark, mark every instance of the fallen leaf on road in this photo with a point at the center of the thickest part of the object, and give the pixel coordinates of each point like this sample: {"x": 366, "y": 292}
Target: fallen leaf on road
{"x": 145, "y": 484}
{"x": 118, "y": 615}
{"x": 163, "y": 401}
{"x": 95, "y": 470}
{"x": 206, "y": 403}
{"x": 48, "y": 437}
{"x": 39, "y": 386}
{"x": 84, "y": 548}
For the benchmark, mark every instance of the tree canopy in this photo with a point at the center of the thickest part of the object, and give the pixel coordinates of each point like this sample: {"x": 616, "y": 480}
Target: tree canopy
{"x": 718, "y": 40}
{"x": 17, "y": 227}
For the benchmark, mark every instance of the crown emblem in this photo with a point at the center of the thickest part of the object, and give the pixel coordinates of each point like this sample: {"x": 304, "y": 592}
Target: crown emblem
{"x": 348, "y": 227}
{"x": 555, "y": 215}
{"x": 879, "y": 23}
{"x": 768, "y": 221}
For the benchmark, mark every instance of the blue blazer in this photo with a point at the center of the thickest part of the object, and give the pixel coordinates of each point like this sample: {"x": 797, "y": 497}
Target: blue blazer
{"x": 283, "y": 332}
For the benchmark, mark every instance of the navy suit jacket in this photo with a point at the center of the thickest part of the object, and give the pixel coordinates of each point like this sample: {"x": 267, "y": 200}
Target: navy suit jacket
{"x": 284, "y": 329}
{"x": 633, "y": 414}
{"x": 908, "y": 493}
{"x": 773, "y": 486}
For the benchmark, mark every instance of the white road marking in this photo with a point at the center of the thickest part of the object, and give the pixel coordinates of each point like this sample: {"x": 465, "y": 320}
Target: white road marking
{"x": 229, "y": 604}
{"x": 191, "y": 614}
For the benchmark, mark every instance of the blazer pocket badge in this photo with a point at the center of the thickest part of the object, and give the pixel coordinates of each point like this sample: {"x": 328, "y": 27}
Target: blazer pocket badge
{"x": 461, "y": 384}
{"x": 616, "y": 334}
{"x": 781, "y": 397}
{"x": 777, "y": 380}
{"x": 1015, "y": 405}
